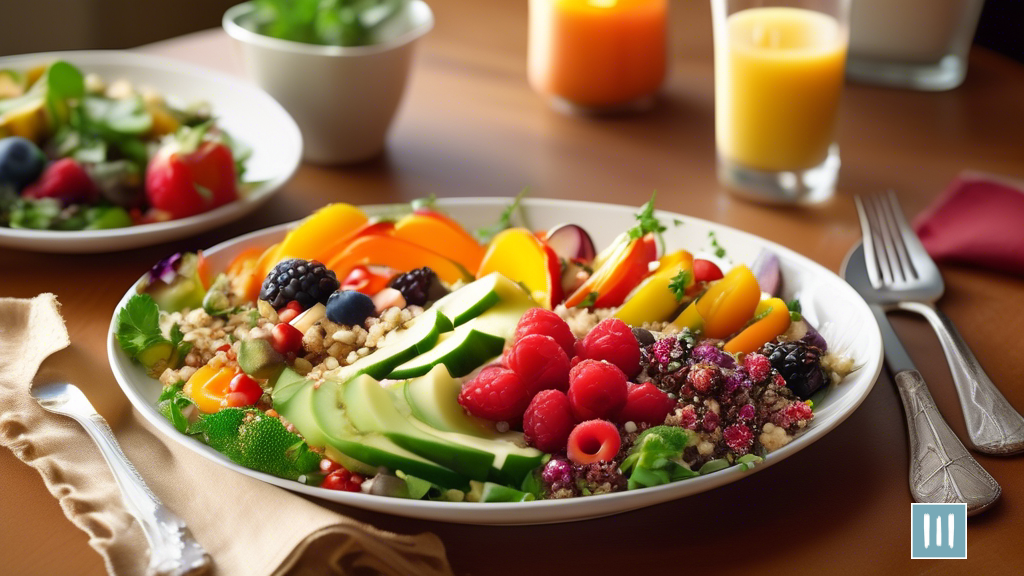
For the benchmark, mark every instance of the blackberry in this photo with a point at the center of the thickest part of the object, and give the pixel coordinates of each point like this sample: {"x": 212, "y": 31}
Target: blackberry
{"x": 308, "y": 282}
{"x": 799, "y": 363}
{"x": 665, "y": 363}
{"x": 419, "y": 286}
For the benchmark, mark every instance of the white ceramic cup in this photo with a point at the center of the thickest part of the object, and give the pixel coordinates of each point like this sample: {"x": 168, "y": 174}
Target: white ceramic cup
{"x": 342, "y": 98}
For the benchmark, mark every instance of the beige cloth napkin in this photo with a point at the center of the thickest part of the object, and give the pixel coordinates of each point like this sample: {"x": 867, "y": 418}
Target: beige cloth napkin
{"x": 248, "y": 527}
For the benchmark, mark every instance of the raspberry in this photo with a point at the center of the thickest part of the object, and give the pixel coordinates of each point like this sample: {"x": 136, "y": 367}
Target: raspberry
{"x": 747, "y": 412}
{"x": 703, "y": 378}
{"x": 758, "y": 366}
{"x": 711, "y": 421}
{"x": 596, "y": 390}
{"x": 65, "y": 180}
{"x": 790, "y": 416}
{"x": 738, "y": 438}
{"x": 548, "y": 421}
{"x": 546, "y": 322}
{"x": 593, "y": 441}
{"x": 645, "y": 404}
{"x": 495, "y": 394}
{"x": 540, "y": 363}
{"x": 688, "y": 417}
{"x": 612, "y": 341}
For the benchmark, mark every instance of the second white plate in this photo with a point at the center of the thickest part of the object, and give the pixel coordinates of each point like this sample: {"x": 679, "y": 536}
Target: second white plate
{"x": 245, "y": 111}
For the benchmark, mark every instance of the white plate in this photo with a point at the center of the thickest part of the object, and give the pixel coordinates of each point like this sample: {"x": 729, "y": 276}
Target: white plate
{"x": 246, "y": 112}
{"x": 828, "y": 302}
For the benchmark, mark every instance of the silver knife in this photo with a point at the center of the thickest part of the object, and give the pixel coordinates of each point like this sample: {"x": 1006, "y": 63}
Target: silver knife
{"x": 941, "y": 469}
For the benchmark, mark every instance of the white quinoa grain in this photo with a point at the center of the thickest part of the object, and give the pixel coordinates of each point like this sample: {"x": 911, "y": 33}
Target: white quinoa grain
{"x": 629, "y": 427}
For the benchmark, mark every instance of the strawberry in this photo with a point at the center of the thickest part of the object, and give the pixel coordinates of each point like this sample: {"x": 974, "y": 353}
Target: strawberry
{"x": 190, "y": 175}
{"x": 64, "y": 180}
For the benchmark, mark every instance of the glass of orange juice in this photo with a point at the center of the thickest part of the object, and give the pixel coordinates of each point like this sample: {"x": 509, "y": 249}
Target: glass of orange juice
{"x": 778, "y": 78}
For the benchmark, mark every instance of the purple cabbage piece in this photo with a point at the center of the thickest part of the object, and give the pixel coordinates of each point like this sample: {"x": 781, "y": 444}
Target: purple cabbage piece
{"x": 167, "y": 269}
{"x": 768, "y": 272}
{"x": 813, "y": 338}
{"x": 710, "y": 354}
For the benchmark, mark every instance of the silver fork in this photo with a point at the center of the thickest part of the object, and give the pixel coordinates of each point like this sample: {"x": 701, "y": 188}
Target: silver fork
{"x": 172, "y": 549}
{"x": 905, "y": 277}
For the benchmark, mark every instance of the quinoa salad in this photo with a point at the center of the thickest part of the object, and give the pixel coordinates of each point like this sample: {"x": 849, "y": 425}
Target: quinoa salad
{"x": 408, "y": 357}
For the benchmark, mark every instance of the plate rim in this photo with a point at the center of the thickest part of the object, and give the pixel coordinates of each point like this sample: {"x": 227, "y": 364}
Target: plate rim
{"x": 139, "y": 235}
{"x": 519, "y": 513}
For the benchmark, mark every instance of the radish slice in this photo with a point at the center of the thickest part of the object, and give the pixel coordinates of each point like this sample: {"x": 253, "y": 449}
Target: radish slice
{"x": 570, "y": 242}
{"x": 766, "y": 270}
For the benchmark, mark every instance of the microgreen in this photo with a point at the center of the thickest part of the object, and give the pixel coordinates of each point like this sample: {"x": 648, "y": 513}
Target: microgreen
{"x": 428, "y": 203}
{"x": 589, "y": 301}
{"x": 487, "y": 233}
{"x": 326, "y": 22}
{"x": 795, "y": 310}
{"x": 679, "y": 283}
{"x": 648, "y": 223}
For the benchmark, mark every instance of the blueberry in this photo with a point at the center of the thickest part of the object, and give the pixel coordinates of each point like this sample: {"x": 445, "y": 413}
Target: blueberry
{"x": 21, "y": 161}
{"x": 349, "y": 307}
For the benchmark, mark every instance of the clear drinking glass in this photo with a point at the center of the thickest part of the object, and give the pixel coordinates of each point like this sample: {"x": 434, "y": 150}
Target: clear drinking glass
{"x": 779, "y": 69}
{"x": 919, "y": 44}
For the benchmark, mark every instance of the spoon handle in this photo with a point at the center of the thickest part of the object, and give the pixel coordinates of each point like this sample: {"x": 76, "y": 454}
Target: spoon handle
{"x": 993, "y": 426}
{"x": 941, "y": 469}
{"x": 173, "y": 550}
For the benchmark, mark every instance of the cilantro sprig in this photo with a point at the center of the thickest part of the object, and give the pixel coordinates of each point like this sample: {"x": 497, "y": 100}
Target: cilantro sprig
{"x": 795, "y": 310}
{"x": 648, "y": 223}
{"x": 679, "y": 283}
{"x": 589, "y": 301}
{"x": 138, "y": 332}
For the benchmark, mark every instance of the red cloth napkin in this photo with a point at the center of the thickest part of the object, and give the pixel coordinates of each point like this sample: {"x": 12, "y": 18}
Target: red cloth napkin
{"x": 978, "y": 220}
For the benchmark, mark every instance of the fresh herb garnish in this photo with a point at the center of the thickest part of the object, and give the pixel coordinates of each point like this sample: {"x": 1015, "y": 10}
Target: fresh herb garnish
{"x": 138, "y": 325}
{"x": 589, "y": 301}
{"x": 719, "y": 250}
{"x": 487, "y": 233}
{"x": 795, "y": 310}
{"x": 679, "y": 283}
{"x": 326, "y": 22}
{"x": 138, "y": 332}
{"x": 648, "y": 223}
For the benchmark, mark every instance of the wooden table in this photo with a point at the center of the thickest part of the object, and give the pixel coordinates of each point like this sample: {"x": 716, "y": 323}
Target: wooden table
{"x": 470, "y": 126}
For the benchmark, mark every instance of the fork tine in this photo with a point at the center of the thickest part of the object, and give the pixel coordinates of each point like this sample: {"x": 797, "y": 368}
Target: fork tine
{"x": 906, "y": 267}
{"x": 892, "y": 273}
{"x": 918, "y": 256}
{"x": 867, "y": 239}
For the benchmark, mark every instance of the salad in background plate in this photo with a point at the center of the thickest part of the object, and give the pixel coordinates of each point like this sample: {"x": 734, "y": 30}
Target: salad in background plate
{"x": 83, "y": 152}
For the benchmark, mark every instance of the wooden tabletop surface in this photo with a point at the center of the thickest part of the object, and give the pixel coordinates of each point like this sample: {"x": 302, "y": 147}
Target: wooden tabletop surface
{"x": 470, "y": 126}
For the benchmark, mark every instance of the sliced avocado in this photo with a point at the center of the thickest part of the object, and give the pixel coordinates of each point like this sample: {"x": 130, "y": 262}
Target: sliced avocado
{"x": 471, "y": 344}
{"x": 460, "y": 352}
{"x": 512, "y": 462}
{"x": 433, "y": 400}
{"x": 370, "y": 409}
{"x": 477, "y": 297}
{"x": 491, "y": 492}
{"x": 298, "y": 410}
{"x": 372, "y": 449}
{"x": 405, "y": 344}
{"x": 287, "y": 383}
{"x": 258, "y": 359}
{"x": 154, "y": 354}
{"x": 350, "y": 463}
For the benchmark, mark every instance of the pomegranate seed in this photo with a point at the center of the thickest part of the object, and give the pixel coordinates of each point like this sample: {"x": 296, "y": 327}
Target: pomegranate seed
{"x": 243, "y": 391}
{"x": 286, "y": 338}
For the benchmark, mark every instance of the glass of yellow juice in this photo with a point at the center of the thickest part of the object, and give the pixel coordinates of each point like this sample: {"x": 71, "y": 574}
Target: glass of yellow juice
{"x": 778, "y": 78}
